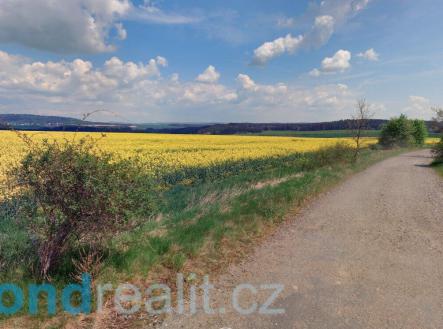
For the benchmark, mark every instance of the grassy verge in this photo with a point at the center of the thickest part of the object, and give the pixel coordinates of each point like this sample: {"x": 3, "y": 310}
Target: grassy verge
{"x": 205, "y": 221}
{"x": 205, "y": 226}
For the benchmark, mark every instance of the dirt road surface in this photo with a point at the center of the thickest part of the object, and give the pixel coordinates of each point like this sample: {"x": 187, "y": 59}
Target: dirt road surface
{"x": 367, "y": 254}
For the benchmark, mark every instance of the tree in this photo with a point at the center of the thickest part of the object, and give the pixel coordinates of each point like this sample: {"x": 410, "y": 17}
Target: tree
{"x": 438, "y": 119}
{"x": 359, "y": 123}
{"x": 397, "y": 132}
{"x": 438, "y": 126}
{"x": 419, "y": 132}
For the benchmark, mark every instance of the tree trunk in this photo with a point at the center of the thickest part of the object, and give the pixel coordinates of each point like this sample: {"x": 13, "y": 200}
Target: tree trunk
{"x": 50, "y": 251}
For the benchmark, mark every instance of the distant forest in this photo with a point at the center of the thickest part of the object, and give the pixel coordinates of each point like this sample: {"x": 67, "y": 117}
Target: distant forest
{"x": 52, "y": 123}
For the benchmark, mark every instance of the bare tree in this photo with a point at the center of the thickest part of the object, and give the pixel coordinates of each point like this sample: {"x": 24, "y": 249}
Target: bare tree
{"x": 438, "y": 119}
{"x": 359, "y": 123}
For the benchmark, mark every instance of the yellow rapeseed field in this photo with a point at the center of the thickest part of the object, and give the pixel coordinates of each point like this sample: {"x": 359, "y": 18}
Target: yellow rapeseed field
{"x": 166, "y": 152}
{"x": 163, "y": 152}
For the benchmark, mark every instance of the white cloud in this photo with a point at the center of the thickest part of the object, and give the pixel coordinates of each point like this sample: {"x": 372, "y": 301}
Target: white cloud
{"x": 269, "y": 50}
{"x": 315, "y": 73}
{"x": 419, "y": 100}
{"x": 246, "y": 82}
{"x": 418, "y": 107}
{"x": 249, "y": 85}
{"x": 327, "y": 16}
{"x": 340, "y": 62}
{"x": 121, "y": 32}
{"x": 149, "y": 12}
{"x": 210, "y": 75}
{"x": 74, "y": 26}
{"x": 370, "y": 55}
{"x": 139, "y": 91}
{"x": 129, "y": 71}
{"x": 337, "y": 63}
{"x": 282, "y": 102}
{"x": 321, "y": 32}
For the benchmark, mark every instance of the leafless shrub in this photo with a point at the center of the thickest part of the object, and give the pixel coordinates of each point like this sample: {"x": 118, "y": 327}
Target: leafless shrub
{"x": 359, "y": 123}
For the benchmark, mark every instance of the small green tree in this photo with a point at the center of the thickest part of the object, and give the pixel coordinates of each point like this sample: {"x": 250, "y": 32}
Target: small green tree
{"x": 438, "y": 126}
{"x": 419, "y": 132}
{"x": 397, "y": 132}
{"x": 438, "y": 119}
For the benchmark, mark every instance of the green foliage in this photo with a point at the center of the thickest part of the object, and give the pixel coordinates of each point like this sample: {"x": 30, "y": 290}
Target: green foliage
{"x": 438, "y": 152}
{"x": 79, "y": 193}
{"x": 221, "y": 203}
{"x": 202, "y": 218}
{"x": 16, "y": 247}
{"x": 439, "y": 168}
{"x": 419, "y": 132}
{"x": 402, "y": 132}
{"x": 340, "y": 153}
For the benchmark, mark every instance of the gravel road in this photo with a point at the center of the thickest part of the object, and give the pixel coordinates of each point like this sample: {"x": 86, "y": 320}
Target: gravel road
{"x": 367, "y": 254}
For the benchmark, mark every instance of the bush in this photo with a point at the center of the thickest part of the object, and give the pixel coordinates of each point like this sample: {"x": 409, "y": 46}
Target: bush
{"x": 80, "y": 195}
{"x": 419, "y": 132}
{"x": 403, "y": 132}
{"x": 438, "y": 151}
{"x": 328, "y": 156}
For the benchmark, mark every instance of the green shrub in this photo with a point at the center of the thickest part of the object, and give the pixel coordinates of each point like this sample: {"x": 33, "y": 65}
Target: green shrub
{"x": 81, "y": 195}
{"x": 438, "y": 152}
{"x": 328, "y": 156}
{"x": 399, "y": 132}
{"x": 419, "y": 132}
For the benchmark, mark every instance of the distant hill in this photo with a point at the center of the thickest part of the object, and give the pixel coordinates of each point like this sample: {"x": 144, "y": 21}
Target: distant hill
{"x": 237, "y": 128}
{"x": 55, "y": 123}
{"x": 30, "y": 120}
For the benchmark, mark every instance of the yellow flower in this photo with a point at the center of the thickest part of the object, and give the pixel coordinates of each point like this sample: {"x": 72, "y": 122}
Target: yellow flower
{"x": 162, "y": 153}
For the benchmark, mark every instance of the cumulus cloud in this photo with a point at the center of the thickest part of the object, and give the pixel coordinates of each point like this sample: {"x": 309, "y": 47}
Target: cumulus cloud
{"x": 277, "y": 47}
{"x": 249, "y": 85}
{"x": 370, "y": 55}
{"x": 140, "y": 91}
{"x": 246, "y": 82}
{"x": 418, "y": 107}
{"x": 295, "y": 103}
{"x": 327, "y": 16}
{"x": 74, "y": 26}
{"x": 210, "y": 75}
{"x": 340, "y": 62}
{"x": 116, "y": 83}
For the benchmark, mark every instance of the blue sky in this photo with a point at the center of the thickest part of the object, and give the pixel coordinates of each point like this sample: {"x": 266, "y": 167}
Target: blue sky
{"x": 220, "y": 61}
